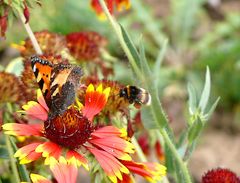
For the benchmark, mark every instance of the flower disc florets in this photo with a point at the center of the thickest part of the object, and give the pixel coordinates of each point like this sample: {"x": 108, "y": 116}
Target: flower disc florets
{"x": 71, "y": 129}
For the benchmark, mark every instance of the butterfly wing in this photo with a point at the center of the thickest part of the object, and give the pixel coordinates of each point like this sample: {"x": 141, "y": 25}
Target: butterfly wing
{"x": 64, "y": 83}
{"x": 42, "y": 70}
{"x": 58, "y": 83}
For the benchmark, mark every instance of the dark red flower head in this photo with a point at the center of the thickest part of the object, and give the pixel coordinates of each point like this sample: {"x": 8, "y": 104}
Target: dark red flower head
{"x": 220, "y": 175}
{"x": 71, "y": 130}
{"x": 85, "y": 46}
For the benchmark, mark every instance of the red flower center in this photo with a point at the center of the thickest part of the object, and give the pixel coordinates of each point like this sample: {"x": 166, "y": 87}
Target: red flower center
{"x": 71, "y": 129}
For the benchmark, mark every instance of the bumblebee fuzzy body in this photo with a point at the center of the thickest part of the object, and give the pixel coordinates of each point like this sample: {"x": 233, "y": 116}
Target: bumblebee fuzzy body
{"x": 135, "y": 95}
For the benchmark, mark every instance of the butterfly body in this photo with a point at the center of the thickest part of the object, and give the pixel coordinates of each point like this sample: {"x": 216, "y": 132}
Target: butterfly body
{"x": 58, "y": 83}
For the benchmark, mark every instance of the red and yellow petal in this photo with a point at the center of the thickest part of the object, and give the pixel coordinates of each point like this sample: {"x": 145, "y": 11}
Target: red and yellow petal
{"x": 121, "y": 4}
{"x": 95, "y": 4}
{"x": 35, "y": 110}
{"x": 27, "y": 153}
{"x": 150, "y": 171}
{"x": 49, "y": 149}
{"x": 127, "y": 178}
{"x": 23, "y": 129}
{"x": 41, "y": 100}
{"x": 115, "y": 146}
{"x": 111, "y": 166}
{"x": 77, "y": 159}
{"x": 63, "y": 171}
{"x": 109, "y": 131}
{"x": 35, "y": 178}
{"x": 95, "y": 100}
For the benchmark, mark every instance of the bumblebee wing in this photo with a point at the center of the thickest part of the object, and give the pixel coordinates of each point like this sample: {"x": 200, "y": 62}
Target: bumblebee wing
{"x": 144, "y": 97}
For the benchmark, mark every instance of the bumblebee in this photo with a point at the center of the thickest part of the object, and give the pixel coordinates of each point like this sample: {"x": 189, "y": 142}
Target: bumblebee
{"x": 135, "y": 95}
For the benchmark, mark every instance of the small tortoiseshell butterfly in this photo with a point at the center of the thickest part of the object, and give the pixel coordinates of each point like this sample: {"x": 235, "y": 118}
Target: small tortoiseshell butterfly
{"x": 58, "y": 83}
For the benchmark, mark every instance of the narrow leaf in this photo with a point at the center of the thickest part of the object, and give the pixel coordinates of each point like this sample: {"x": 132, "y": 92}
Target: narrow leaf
{"x": 22, "y": 168}
{"x": 4, "y": 153}
{"x": 131, "y": 46}
{"x": 206, "y": 92}
{"x": 158, "y": 62}
{"x": 169, "y": 159}
{"x": 195, "y": 130}
{"x": 160, "y": 57}
{"x": 148, "y": 119}
{"x": 181, "y": 139}
{"x": 192, "y": 98}
{"x": 143, "y": 61}
{"x": 190, "y": 150}
{"x": 213, "y": 107}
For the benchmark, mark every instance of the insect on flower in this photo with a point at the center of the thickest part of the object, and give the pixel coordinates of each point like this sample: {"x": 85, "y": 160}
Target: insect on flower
{"x": 135, "y": 95}
{"x": 58, "y": 83}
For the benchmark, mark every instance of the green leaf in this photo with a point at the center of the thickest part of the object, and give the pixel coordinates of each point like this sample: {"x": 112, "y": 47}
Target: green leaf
{"x": 178, "y": 172}
{"x": 131, "y": 46}
{"x": 206, "y": 92}
{"x": 195, "y": 129}
{"x": 158, "y": 62}
{"x": 169, "y": 160}
{"x": 148, "y": 119}
{"x": 144, "y": 64}
{"x": 4, "y": 153}
{"x": 192, "y": 98}
{"x": 22, "y": 168}
{"x": 211, "y": 110}
{"x": 190, "y": 150}
{"x": 153, "y": 115}
{"x": 182, "y": 139}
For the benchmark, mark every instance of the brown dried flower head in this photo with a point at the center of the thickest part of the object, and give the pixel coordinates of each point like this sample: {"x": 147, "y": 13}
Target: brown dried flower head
{"x": 50, "y": 43}
{"x": 11, "y": 89}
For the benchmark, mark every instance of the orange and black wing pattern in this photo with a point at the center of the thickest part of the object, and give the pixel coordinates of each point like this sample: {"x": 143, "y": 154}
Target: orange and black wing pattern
{"x": 42, "y": 70}
{"x": 58, "y": 83}
{"x": 64, "y": 83}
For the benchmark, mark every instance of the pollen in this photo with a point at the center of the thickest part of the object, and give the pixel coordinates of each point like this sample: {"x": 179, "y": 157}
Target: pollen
{"x": 70, "y": 130}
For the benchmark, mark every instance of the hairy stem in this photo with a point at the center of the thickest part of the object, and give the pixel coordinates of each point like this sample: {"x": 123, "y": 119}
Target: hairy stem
{"x": 166, "y": 137}
{"x": 31, "y": 35}
{"x": 118, "y": 32}
{"x": 139, "y": 150}
{"x": 12, "y": 160}
{"x": 178, "y": 159}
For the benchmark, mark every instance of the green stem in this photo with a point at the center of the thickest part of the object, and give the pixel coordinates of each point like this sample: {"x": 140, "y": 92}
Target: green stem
{"x": 138, "y": 72}
{"x": 180, "y": 162}
{"x": 118, "y": 32}
{"x": 30, "y": 34}
{"x": 12, "y": 160}
{"x": 138, "y": 150}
